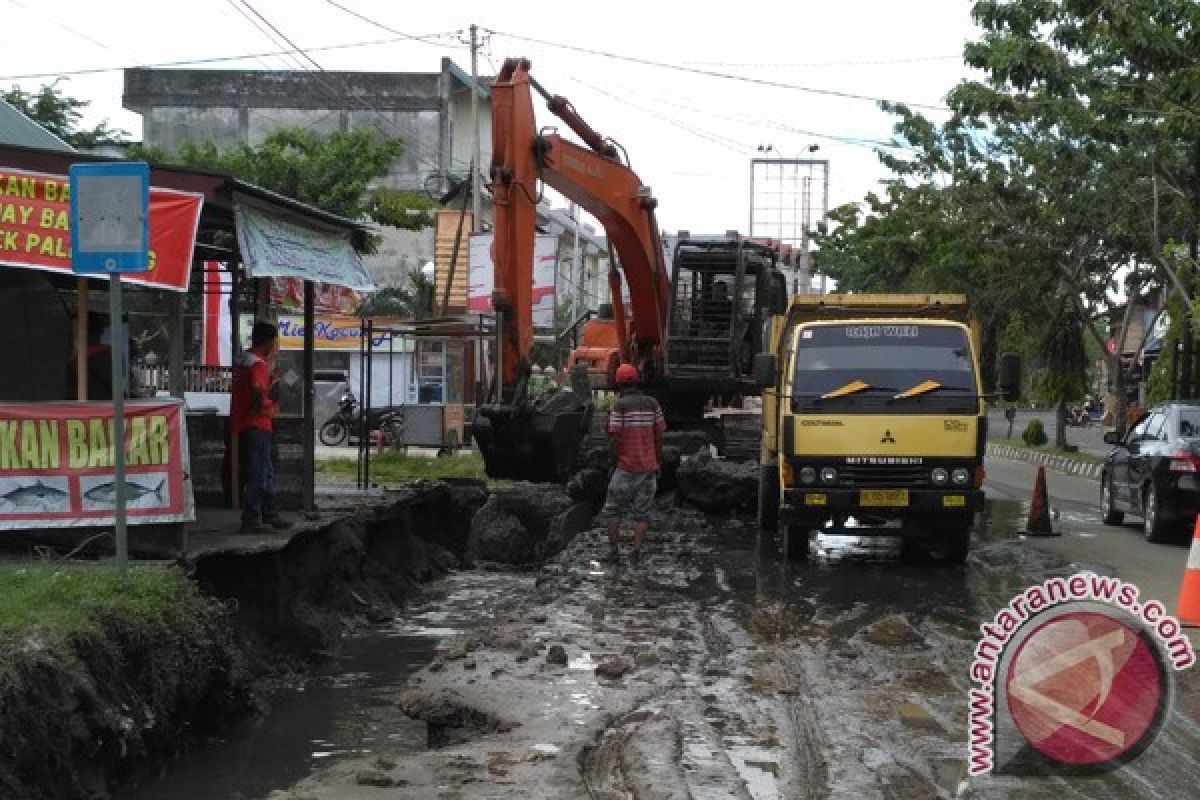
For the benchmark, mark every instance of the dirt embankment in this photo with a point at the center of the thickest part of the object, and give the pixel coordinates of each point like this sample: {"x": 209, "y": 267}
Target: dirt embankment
{"x": 82, "y": 720}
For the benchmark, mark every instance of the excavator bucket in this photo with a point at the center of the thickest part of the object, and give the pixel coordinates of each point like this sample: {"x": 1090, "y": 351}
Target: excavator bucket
{"x": 533, "y": 443}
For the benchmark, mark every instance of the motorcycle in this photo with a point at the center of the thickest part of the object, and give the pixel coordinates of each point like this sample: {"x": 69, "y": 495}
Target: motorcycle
{"x": 346, "y": 423}
{"x": 335, "y": 431}
{"x": 1079, "y": 417}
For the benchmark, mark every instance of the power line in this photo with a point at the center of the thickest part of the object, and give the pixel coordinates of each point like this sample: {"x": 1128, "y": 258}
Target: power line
{"x": 193, "y": 62}
{"x": 750, "y": 120}
{"x": 375, "y": 23}
{"x": 730, "y": 144}
{"x": 712, "y": 73}
{"x": 291, "y": 61}
{"x": 282, "y": 35}
{"x": 62, "y": 25}
{"x": 817, "y": 64}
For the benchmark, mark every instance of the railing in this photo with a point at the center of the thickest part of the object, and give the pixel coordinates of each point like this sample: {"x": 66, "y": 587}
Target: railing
{"x": 196, "y": 378}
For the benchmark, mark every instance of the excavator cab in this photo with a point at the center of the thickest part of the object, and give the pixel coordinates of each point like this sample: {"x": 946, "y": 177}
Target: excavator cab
{"x": 722, "y": 293}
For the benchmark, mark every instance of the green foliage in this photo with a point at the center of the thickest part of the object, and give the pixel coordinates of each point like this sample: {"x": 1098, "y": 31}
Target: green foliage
{"x": 411, "y": 300}
{"x": 1034, "y": 434}
{"x": 60, "y": 602}
{"x": 61, "y": 114}
{"x": 1160, "y": 387}
{"x": 1068, "y": 160}
{"x": 337, "y": 173}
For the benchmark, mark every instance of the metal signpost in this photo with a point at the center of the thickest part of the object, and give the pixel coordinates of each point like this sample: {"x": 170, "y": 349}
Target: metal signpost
{"x": 110, "y": 234}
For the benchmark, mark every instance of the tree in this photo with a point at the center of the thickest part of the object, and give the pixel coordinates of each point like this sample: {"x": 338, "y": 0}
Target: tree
{"x": 60, "y": 115}
{"x": 339, "y": 173}
{"x": 1067, "y": 163}
{"x": 411, "y": 300}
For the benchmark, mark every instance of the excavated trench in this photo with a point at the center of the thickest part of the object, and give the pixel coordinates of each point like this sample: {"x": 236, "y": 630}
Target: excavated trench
{"x": 271, "y": 628}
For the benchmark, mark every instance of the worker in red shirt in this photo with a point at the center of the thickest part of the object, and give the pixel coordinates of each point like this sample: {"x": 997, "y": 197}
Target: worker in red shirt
{"x": 253, "y": 406}
{"x": 635, "y": 431}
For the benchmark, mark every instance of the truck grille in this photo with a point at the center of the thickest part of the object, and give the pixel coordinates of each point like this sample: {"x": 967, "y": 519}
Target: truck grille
{"x": 859, "y": 475}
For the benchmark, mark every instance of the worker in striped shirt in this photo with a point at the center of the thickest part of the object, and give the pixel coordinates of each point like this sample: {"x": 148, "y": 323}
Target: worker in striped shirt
{"x": 635, "y": 432}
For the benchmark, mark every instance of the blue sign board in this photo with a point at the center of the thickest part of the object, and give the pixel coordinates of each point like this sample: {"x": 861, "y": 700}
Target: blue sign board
{"x": 110, "y": 217}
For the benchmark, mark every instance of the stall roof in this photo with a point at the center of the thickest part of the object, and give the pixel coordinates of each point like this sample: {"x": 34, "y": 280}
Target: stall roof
{"x": 217, "y": 189}
{"x": 18, "y": 129}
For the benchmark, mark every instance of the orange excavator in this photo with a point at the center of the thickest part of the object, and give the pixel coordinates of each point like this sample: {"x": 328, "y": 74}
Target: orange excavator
{"x": 731, "y": 280}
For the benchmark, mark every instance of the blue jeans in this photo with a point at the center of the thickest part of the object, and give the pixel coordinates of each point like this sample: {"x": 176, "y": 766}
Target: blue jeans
{"x": 258, "y": 500}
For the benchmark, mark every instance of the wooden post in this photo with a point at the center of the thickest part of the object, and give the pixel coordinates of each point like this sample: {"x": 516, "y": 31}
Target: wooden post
{"x": 81, "y": 339}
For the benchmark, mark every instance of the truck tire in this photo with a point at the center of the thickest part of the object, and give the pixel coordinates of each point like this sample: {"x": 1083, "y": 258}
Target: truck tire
{"x": 795, "y": 541}
{"x": 954, "y": 538}
{"x": 768, "y": 498}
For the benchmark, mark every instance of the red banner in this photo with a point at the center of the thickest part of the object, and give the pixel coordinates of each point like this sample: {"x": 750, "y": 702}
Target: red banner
{"x": 56, "y": 464}
{"x": 288, "y": 293}
{"x": 35, "y": 228}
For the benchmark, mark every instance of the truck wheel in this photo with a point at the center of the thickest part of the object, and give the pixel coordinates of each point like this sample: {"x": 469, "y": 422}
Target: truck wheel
{"x": 954, "y": 535}
{"x": 795, "y": 541}
{"x": 768, "y": 498}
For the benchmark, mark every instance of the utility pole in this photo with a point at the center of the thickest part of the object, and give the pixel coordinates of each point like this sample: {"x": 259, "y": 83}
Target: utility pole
{"x": 577, "y": 265}
{"x": 476, "y": 216}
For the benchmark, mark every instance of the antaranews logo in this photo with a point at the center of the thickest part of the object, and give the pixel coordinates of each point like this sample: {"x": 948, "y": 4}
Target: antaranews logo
{"x": 1073, "y": 675}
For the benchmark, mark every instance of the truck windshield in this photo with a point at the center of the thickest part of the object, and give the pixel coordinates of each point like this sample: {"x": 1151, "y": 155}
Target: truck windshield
{"x": 907, "y": 369}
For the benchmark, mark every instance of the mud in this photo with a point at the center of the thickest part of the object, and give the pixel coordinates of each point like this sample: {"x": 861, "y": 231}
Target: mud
{"x": 117, "y": 706}
{"x": 712, "y": 670}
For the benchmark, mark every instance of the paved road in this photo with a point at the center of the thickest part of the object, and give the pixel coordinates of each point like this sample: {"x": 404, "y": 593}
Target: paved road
{"x": 1156, "y": 568}
{"x": 1089, "y": 440}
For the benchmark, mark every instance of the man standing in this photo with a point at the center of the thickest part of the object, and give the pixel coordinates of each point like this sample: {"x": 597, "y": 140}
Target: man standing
{"x": 635, "y": 429}
{"x": 252, "y": 411}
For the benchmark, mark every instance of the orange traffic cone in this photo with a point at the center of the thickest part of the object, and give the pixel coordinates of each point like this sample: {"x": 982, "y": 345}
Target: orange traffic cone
{"x": 1189, "y": 593}
{"x": 1038, "y": 523}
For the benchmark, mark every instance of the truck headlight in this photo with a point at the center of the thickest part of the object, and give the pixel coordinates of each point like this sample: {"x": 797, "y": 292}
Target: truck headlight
{"x": 808, "y": 476}
{"x": 829, "y": 475}
{"x": 960, "y": 477}
{"x": 939, "y": 477}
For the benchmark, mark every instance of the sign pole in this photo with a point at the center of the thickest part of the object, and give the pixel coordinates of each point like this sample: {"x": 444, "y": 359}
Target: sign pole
{"x": 117, "y": 332}
{"x": 110, "y": 234}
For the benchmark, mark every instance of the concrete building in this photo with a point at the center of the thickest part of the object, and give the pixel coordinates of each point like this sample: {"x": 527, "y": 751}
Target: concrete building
{"x": 430, "y": 111}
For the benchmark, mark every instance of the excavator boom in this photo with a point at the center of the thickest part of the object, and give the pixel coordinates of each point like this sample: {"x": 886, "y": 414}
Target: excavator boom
{"x": 517, "y": 439}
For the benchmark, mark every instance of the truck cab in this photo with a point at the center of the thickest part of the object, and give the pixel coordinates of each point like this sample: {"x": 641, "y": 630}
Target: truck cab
{"x": 874, "y": 422}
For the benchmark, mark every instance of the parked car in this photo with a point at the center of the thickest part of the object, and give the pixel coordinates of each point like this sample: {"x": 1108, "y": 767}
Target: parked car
{"x": 1154, "y": 471}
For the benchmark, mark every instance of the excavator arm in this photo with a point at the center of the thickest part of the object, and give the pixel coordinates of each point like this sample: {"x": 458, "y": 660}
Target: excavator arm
{"x": 517, "y": 440}
{"x": 591, "y": 176}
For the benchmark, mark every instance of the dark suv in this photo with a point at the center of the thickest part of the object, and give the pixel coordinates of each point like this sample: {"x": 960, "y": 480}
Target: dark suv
{"x": 1154, "y": 472}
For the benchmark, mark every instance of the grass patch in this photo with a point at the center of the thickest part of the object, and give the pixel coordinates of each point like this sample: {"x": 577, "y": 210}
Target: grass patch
{"x": 67, "y": 600}
{"x": 397, "y": 467}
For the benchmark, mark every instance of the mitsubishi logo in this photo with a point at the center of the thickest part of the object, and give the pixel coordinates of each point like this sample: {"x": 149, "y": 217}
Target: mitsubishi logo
{"x": 888, "y": 438}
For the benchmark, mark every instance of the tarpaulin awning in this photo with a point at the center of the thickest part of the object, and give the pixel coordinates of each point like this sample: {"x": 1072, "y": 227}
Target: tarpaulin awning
{"x": 275, "y": 245}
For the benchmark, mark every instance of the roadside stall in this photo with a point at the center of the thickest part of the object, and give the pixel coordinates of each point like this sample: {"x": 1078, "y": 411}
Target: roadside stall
{"x": 54, "y": 450}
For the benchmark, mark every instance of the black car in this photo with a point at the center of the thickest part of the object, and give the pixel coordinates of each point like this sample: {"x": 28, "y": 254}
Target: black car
{"x": 1154, "y": 472}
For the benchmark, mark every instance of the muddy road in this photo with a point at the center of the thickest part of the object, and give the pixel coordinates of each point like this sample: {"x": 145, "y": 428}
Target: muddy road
{"x": 711, "y": 670}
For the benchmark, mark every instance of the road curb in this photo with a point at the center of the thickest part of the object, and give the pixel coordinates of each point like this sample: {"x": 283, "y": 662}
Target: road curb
{"x": 1071, "y": 466}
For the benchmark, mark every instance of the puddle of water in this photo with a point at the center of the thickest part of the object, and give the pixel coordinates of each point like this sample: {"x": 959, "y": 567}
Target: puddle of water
{"x": 349, "y": 710}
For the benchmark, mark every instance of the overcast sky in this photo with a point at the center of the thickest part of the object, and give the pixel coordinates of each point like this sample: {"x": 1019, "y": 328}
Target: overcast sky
{"x": 690, "y": 137}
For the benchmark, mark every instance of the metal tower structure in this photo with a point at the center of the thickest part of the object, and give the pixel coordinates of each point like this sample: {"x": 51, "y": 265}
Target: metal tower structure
{"x": 788, "y": 197}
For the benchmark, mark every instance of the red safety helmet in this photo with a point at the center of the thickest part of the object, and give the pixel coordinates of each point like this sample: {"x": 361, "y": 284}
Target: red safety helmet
{"x": 627, "y": 373}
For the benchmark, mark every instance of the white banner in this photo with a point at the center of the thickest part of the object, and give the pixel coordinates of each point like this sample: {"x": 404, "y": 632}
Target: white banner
{"x": 483, "y": 277}
{"x": 275, "y": 247}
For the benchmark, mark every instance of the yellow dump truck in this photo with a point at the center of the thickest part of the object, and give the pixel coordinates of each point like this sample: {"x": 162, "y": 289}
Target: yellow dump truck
{"x": 874, "y": 420}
